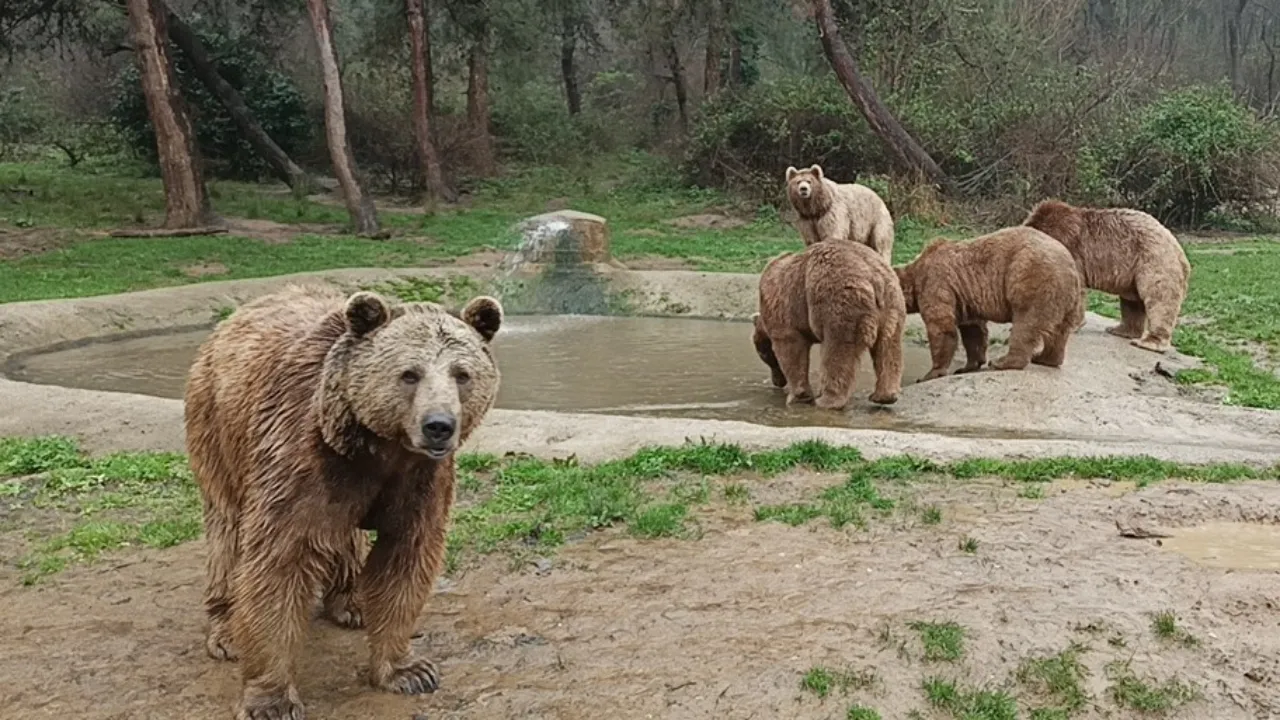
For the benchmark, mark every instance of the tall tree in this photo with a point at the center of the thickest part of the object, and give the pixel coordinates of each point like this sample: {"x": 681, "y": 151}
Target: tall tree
{"x": 359, "y": 204}
{"x": 207, "y": 73}
{"x": 883, "y": 123}
{"x": 186, "y": 199}
{"x": 711, "y": 80}
{"x": 570, "y": 25}
{"x": 428, "y": 159}
{"x": 482, "y": 150}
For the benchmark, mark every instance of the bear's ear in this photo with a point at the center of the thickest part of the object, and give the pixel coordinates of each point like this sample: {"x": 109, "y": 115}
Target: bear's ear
{"x": 791, "y": 172}
{"x": 817, "y": 170}
{"x": 484, "y": 314}
{"x": 366, "y": 312}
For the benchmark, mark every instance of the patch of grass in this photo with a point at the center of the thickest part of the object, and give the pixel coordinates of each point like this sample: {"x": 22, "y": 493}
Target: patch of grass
{"x": 941, "y": 641}
{"x": 968, "y": 545}
{"x": 28, "y": 456}
{"x": 1165, "y": 626}
{"x": 861, "y": 712}
{"x": 1032, "y": 491}
{"x": 969, "y": 703}
{"x": 822, "y": 681}
{"x": 1146, "y": 695}
{"x": 1058, "y": 681}
{"x": 931, "y": 515}
{"x": 736, "y": 493}
{"x": 663, "y": 520}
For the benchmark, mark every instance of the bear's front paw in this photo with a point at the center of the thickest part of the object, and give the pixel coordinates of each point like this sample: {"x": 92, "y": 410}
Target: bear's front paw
{"x": 218, "y": 645}
{"x": 796, "y": 398}
{"x": 970, "y": 368}
{"x": 283, "y": 706}
{"x": 933, "y": 375}
{"x": 884, "y": 398}
{"x": 420, "y": 676}
{"x": 343, "y": 612}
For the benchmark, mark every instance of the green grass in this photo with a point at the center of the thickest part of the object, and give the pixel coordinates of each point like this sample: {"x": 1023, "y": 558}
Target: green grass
{"x": 1057, "y": 681}
{"x": 1165, "y": 626}
{"x": 861, "y": 712}
{"x": 964, "y": 703}
{"x": 941, "y": 641}
{"x": 1147, "y": 695}
{"x": 968, "y": 545}
{"x": 517, "y": 503}
{"x": 822, "y": 681}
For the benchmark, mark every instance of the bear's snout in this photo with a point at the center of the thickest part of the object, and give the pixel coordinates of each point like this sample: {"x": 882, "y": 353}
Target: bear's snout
{"x": 804, "y": 189}
{"x": 438, "y": 429}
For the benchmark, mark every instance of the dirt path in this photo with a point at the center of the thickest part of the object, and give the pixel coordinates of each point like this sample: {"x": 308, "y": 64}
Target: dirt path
{"x": 723, "y": 626}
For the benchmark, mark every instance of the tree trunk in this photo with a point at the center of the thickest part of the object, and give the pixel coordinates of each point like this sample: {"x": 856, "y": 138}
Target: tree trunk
{"x": 482, "y": 153}
{"x": 568, "y": 71}
{"x": 735, "y": 61}
{"x": 881, "y": 120}
{"x": 711, "y": 81}
{"x": 428, "y": 160}
{"x": 186, "y": 199}
{"x": 1235, "y": 42}
{"x": 189, "y": 43}
{"x": 677, "y": 79}
{"x": 359, "y": 204}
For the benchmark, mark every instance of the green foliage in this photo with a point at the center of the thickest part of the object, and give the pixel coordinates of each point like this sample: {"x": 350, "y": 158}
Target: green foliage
{"x": 1182, "y": 156}
{"x": 271, "y": 96}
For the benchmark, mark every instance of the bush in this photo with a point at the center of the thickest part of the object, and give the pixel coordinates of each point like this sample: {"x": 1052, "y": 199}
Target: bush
{"x": 745, "y": 142}
{"x": 1182, "y": 157}
{"x": 271, "y": 96}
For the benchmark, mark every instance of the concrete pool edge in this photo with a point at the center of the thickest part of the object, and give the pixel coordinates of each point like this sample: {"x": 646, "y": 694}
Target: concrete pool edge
{"x": 107, "y": 421}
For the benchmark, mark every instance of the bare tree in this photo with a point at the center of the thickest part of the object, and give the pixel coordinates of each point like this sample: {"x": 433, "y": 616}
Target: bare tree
{"x": 570, "y": 24}
{"x": 359, "y": 204}
{"x": 482, "y": 150}
{"x": 279, "y": 161}
{"x": 186, "y": 199}
{"x": 883, "y": 123}
{"x": 428, "y": 159}
{"x": 711, "y": 80}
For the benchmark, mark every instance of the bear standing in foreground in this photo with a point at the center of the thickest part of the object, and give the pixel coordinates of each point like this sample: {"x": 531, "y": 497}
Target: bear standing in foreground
{"x": 843, "y": 296}
{"x": 310, "y": 417}
{"x": 1129, "y": 254}
{"x": 832, "y": 211}
{"x": 1016, "y": 275}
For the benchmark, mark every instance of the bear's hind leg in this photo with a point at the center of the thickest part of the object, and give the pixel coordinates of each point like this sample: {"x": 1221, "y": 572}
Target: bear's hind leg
{"x": 1163, "y": 299}
{"x": 975, "y": 338}
{"x": 1055, "y": 348}
{"x": 1133, "y": 317}
{"x": 839, "y": 368}
{"x": 943, "y": 338}
{"x": 1025, "y": 342}
{"x": 276, "y": 581}
{"x": 886, "y": 358}
{"x": 396, "y": 581}
{"x": 339, "y": 598}
{"x": 222, "y": 540}
{"x": 793, "y": 357}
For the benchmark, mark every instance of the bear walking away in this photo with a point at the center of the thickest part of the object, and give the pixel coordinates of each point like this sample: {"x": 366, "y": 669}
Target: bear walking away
{"x": 843, "y": 296}
{"x": 833, "y": 211}
{"x": 310, "y": 417}
{"x": 1126, "y": 253}
{"x": 1016, "y": 275}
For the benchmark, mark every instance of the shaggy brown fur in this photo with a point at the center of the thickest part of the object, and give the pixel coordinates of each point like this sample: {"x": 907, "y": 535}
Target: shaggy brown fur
{"x": 843, "y": 296}
{"x": 1126, "y": 253}
{"x": 833, "y": 211}
{"x": 310, "y": 417}
{"x": 1016, "y": 275}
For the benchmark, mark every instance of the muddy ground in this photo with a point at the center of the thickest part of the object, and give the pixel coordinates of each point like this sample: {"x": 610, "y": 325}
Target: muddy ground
{"x": 723, "y": 625}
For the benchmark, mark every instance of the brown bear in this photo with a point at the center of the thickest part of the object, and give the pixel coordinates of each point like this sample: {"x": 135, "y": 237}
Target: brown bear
{"x": 311, "y": 417}
{"x": 1016, "y": 275}
{"x": 828, "y": 210}
{"x": 841, "y": 295}
{"x": 1126, "y": 253}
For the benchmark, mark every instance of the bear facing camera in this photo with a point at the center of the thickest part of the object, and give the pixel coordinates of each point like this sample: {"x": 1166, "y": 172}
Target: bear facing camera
{"x": 311, "y": 417}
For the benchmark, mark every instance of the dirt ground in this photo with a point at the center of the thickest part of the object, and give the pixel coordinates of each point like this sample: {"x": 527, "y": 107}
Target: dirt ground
{"x": 723, "y": 626}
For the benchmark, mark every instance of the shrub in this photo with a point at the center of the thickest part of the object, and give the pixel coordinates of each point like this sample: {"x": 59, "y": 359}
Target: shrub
{"x": 271, "y": 96}
{"x": 1182, "y": 156}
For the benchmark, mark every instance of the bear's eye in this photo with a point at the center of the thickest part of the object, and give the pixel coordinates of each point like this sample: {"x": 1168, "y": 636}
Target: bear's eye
{"x": 462, "y": 377}
{"x": 410, "y": 377}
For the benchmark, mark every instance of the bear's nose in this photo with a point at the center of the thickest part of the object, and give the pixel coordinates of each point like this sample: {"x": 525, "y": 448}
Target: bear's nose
{"x": 439, "y": 427}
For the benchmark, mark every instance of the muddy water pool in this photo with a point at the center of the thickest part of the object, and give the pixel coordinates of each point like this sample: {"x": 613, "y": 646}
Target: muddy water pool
{"x": 1229, "y": 545}
{"x": 672, "y": 367}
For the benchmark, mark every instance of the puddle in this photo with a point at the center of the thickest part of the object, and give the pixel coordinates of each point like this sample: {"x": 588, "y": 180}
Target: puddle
{"x": 664, "y": 367}
{"x": 1231, "y": 545}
